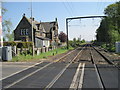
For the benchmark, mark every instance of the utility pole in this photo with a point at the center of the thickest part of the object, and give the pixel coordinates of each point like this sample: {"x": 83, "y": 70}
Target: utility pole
{"x": 67, "y": 32}
{"x": 32, "y": 30}
{"x": 1, "y": 37}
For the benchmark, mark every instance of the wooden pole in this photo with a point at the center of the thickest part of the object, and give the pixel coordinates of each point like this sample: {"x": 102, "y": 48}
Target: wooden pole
{"x": 32, "y": 31}
{"x": 67, "y": 33}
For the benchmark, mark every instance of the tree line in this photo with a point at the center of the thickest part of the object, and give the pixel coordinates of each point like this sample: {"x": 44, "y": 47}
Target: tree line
{"x": 109, "y": 29}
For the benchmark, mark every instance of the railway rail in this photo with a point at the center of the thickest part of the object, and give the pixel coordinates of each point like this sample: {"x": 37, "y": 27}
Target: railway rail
{"x": 101, "y": 84}
{"x": 106, "y": 59}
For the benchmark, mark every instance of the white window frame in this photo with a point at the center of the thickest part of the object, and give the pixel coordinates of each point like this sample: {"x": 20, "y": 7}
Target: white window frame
{"x": 24, "y": 31}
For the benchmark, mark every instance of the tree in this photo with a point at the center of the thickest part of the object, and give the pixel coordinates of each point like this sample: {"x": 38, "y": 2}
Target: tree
{"x": 102, "y": 31}
{"x": 62, "y": 37}
{"x": 109, "y": 30}
{"x": 7, "y": 24}
{"x": 113, "y": 13}
{"x": 74, "y": 39}
{"x": 83, "y": 41}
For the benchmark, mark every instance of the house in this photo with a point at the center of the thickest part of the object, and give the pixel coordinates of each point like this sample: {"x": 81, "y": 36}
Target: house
{"x": 51, "y": 29}
{"x": 44, "y": 33}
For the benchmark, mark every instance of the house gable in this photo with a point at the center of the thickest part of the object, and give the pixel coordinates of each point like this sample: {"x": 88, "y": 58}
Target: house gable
{"x": 23, "y": 30}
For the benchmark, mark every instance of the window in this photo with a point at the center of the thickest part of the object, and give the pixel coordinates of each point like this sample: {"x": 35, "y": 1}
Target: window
{"x": 24, "y": 31}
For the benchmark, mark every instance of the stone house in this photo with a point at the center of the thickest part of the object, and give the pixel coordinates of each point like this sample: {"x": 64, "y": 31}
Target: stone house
{"x": 44, "y": 33}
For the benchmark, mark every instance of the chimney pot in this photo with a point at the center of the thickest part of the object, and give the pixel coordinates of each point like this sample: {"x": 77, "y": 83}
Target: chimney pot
{"x": 23, "y": 14}
{"x": 33, "y": 19}
{"x": 56, "y": 19}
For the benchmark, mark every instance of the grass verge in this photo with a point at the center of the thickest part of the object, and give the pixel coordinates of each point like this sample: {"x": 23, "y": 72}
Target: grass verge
{"x": 23, "y": 58}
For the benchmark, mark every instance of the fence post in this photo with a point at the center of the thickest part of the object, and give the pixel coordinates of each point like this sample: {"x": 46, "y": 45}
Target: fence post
{"x": 14, "y": 51}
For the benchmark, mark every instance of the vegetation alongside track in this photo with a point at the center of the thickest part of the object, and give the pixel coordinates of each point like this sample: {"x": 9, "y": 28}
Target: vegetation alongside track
{"x": 109, "y": 29}
{"x": 28, "y": 57}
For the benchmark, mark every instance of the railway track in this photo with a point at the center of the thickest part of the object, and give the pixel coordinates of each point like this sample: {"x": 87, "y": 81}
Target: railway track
{"x": 75, "y": 70}
{"x": 106, "y": 64}
{"x": 101, "y": 84}
{"x": 106, "y": 59}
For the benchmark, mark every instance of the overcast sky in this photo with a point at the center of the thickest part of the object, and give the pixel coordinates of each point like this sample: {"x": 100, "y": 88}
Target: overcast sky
{"x": 48, "y": 11}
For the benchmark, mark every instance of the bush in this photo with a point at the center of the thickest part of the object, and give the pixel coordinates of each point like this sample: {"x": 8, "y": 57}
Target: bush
{"x": 10, "y": 43}
{"x": 21, "y": 45}
{"x": 18, "y": 44}
{"x": 24, "y": 44}
{"x": 109, "y": 47}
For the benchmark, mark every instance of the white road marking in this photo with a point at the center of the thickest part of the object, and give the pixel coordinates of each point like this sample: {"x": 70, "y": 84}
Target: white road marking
{"x": 27, "y": 76}
{"x": 20, "y": 71}
{"x": 81, "y": 77}
{"x": 75, "y": 77}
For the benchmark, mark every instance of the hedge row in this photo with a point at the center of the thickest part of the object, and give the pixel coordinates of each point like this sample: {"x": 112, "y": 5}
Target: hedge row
{"x": 18, "y": 44}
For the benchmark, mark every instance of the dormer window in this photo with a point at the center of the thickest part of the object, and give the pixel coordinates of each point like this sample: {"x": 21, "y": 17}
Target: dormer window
{"x": 24, "y": 31}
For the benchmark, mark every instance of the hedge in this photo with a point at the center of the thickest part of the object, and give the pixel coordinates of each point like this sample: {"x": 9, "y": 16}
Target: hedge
{"x": 18, "y": 44}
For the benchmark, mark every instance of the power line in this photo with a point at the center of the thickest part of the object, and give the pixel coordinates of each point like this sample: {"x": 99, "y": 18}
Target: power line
{"x": 69, "y": 5}
{"x": 67, "y": 9}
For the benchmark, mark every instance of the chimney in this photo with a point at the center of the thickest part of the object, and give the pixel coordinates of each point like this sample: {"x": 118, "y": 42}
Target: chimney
{"x": 32, "y": 18}
{"x": 56, "y": 19}
{"x": 23, "y": 14}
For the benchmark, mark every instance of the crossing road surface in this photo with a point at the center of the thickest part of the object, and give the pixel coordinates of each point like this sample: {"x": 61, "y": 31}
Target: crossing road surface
{"x": 82, "y": 68}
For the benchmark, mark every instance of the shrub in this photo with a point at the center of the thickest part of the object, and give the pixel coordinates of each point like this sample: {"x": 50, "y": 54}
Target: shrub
{"x": 109, "y": 47}
{"x": 10, "y": 43}
{"x": 24, "y": 44}
{"x": 18, "y": 44}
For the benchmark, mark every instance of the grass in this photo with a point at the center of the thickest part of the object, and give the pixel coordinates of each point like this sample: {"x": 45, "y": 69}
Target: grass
{"x": 22, "y": 58}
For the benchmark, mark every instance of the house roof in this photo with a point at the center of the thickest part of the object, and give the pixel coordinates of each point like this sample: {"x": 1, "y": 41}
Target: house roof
{"x": 40, "y": 27}
{"x": 48, "y": 25}
{"x": 30, "y": 20}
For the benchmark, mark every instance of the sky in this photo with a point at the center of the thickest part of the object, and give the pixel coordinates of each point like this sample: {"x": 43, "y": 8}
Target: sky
{"x": 48, "y": 11}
